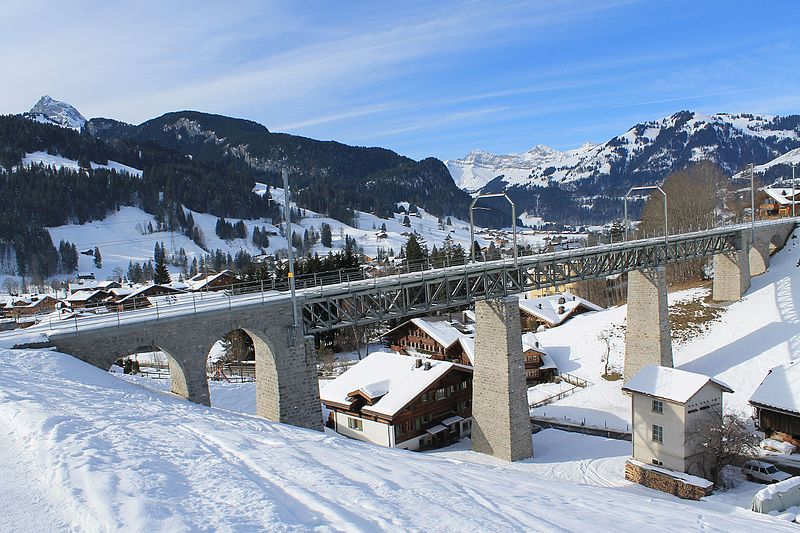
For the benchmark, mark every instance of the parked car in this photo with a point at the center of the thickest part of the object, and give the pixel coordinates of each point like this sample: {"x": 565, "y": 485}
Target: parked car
{"x": 765, "y": 472}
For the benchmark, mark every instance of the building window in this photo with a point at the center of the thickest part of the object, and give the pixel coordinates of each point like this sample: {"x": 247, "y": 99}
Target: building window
{"x": 657, "y": 462}
{"x": 658, "y": 434}
{"x": 356, "y": 424}
{"x": 658, "y": 407}
{"x": 441, "y": 393}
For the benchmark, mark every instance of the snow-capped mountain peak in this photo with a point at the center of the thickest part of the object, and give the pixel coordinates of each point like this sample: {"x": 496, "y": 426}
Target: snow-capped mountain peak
{"x": 645, "y": 153}
{"x": 50, "y": 111}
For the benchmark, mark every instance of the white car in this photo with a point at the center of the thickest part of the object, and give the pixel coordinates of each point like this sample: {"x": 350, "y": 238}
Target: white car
{"x": 765, "y": 472}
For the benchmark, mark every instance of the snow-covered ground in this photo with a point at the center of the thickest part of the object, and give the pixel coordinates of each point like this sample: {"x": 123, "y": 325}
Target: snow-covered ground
{"x": 760, "y": 331}
{"x": 57, "y": 161}
{"x": 86, "y": 450}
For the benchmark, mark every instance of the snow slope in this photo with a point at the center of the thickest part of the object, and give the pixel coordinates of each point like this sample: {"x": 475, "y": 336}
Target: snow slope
{"x": 117, "y": 456}
{"x": 792, "y": 157}
{"x": 57, "y": 161}
{"x": 122, "y": 237}
{"x": 760, "y": 331}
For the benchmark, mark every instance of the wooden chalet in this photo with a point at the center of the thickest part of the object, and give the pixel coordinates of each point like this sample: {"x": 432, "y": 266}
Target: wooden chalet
{"x": 779, "y": 202}
{"x": 212, "y": 281}
{"x": 394, "y": 400}
{"x": 434, "y": 338}
{"x": 22, "y": 306}
{"x": 87, "y": 299}
{"x": 553, "y": 310}
{"x": 93, "y": 285}
{"x": 126, "y": 300}
{"x": 539, "y": 367}
{"x": 776, "y": 403}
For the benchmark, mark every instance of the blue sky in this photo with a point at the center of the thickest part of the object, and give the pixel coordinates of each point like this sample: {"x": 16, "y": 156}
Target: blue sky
{"x": 422, "y": 78}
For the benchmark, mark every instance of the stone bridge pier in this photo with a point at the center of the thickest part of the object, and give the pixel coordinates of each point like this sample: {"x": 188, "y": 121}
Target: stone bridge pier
{"x": 500, "y": 414}
{"x": 733, "y": 270}
{"x": 286, "y": 374}
{"x": 648, "y": 339}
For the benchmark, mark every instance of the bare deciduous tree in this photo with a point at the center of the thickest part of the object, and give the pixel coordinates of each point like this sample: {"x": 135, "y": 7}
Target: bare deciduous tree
{"x": 693, "y": 196}
{"x": 726, "y": 439}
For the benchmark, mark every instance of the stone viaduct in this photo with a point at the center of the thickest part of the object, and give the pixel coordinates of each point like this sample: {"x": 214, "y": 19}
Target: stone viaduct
{"x": 648, "y": 340}
{"x": 286, "y": 374}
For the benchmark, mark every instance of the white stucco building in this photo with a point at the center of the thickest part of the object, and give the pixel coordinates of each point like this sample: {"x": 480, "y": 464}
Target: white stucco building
{"x": 666, "y": 405}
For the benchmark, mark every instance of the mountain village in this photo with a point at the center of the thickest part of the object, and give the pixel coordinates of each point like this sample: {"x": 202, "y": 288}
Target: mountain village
{"x": 211, "y": 323}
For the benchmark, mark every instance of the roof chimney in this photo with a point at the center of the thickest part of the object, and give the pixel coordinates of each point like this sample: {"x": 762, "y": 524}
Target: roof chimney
{"x": 560, "y": 309}
{"x": 562, "y": 300}
{"x": 540, "y": 306}
{"x": 418, "y": 363}
{"x": 427, "y": 365}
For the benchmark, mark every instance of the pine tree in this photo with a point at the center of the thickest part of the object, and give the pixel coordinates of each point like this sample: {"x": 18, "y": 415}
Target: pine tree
{"x": 98, "y": 259}
{"x": 326, "y": 236}
{"x": 416, "y": 253}
{"x": 406, "y": 221}
{"x": 160, "y": 274}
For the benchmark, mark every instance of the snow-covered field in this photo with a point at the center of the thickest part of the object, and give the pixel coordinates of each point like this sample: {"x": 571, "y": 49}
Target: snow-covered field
{"x": 85, "y": 450}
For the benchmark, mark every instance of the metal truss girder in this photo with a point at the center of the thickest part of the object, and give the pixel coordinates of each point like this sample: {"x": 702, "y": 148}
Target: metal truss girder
{"x": 444, "y": 288}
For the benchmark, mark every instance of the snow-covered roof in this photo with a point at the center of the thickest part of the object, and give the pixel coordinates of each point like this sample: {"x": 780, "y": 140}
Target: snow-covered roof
{"x": 780, "y": 388}
{"x": 83, "y": 296}
{"x": 782, "y": 195}
{"x": 530, "y": 342}
{"x": 546, "y": 308}
{"x": 394, "y": 375}
{"x": 200, "y": 280}
{"x": 443, "y": 332}
{"x": 440, "y": 330}
{"x": 547, "y": 363}
{"x": 670, "y": 383}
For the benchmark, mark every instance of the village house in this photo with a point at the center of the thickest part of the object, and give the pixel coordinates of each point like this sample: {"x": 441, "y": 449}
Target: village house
{"x": 667, "y": 404}
{"x": 88, "y": 299}
{"x": 212, "y": 281}
{"x": 139, "y": 297}
{"x": 394, "y": 400}
{"x": 539, "y": 367}
{"x": 553, "y": 310}
{"x": 435, "y": 338}
{"x": 17, "y": 307}
{"x": 778, "y": 203}
{"x": 776, "y": 404}
{"x": 93, "y": 285}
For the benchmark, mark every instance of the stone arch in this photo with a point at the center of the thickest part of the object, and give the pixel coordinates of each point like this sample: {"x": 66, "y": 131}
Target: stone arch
{"x": 268, "y": 376}
{"x": 187, "y": 365}
{"x": 776, "y": 242}
{"x": 758, "y": 257}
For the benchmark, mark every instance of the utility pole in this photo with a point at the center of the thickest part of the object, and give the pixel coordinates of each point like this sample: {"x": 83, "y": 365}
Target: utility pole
{"x": 752, "y": 204}
{"x": 793, "y": 193}
{"x": 292, "y": 334}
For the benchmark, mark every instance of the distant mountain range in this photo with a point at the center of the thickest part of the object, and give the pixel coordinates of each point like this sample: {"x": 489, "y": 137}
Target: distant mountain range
{"x": 574, "y": 186}
{"x": 582, "y": 184}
